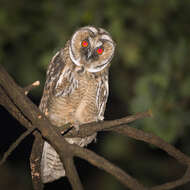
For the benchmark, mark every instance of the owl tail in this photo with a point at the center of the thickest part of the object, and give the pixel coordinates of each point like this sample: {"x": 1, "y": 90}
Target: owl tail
{"x": 51, "y": 166}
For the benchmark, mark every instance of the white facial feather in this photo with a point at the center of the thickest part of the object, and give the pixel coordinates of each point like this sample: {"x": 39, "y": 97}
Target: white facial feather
{"x": 103, "y": 64}
{"x": 94, "y": 42}
{"x": 94, "y": 70}
{"x": 74, "y": 60}
{"x": 91, "y": 28}
{"x": 106, "y": 37}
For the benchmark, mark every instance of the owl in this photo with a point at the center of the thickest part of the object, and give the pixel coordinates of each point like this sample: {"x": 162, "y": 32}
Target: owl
{"x": 76, "y": 90}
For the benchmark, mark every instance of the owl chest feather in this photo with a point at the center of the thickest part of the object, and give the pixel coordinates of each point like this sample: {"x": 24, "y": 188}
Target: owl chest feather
{"x": 79, "y": 106}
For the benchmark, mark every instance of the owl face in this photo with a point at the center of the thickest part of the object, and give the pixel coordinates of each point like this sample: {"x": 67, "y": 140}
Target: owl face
{"x": 91, "y": 48}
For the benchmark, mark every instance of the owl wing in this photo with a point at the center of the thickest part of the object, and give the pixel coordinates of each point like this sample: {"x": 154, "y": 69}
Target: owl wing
{"x": 59, "y": 80}
{"x": 102, "y": 96}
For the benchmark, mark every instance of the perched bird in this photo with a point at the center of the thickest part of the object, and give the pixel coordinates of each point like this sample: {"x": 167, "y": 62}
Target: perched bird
{"x": 76, "y": 90}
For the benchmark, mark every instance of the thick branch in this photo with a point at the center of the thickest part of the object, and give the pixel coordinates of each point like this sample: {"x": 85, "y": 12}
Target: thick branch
{"x": 70, "y": 170}
{"x": 91, "y": 128}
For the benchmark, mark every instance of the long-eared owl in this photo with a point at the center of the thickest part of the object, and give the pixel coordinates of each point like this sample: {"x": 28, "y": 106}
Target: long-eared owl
{"x": 76, "y": 89}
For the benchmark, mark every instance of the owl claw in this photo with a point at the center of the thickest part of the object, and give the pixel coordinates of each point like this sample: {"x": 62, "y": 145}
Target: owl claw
{"x": 76, "y": 125}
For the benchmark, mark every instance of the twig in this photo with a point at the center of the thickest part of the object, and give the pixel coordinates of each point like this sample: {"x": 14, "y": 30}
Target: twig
{"x": 15, "y": 144}
{"x": 28, "y": 88}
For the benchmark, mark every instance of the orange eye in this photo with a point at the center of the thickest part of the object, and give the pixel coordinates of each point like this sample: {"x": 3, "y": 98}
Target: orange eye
{"x": 99, "y": 51}
{"x": 84, "y": 43}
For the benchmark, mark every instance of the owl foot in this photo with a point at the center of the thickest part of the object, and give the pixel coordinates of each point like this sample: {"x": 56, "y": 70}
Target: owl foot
{"x": 76, "y": 125}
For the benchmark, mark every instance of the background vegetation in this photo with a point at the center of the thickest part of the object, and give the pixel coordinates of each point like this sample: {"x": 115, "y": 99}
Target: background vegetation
{"x": 150, "y": 70}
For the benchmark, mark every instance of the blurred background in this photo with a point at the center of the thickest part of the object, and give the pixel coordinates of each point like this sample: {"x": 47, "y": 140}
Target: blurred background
{"x": 150, "y": 70}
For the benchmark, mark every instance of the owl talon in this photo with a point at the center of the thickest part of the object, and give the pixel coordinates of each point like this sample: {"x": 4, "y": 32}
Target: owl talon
{"x": 76, "y": 127}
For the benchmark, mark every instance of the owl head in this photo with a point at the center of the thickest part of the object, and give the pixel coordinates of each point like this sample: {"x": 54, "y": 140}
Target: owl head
{"x": 91, "y": 48}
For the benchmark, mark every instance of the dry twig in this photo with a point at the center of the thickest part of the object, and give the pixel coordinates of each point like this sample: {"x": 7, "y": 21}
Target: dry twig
{"x": 31, "y": 86}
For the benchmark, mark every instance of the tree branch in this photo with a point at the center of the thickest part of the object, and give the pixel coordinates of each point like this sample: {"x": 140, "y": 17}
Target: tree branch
{"x": 19, "y": 105}
{"x": 155, "y": 140}
{"x": 28, "y": 88}
{"x": 70, "y": 171}
{"x": 15, "y": 144}
{"x": 91, "y": 128}
{"x": 107, "y": 166}
{"x": 35, "y": 161}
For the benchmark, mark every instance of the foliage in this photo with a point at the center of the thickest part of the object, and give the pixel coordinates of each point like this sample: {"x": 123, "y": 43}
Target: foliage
{"x": 150, "y": 68}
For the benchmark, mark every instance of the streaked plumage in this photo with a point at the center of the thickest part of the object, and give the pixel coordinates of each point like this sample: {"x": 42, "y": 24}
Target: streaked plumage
{"x": 76, "y": 89}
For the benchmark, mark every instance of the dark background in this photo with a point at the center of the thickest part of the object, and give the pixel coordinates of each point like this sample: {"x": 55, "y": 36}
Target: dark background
{"x": 150, "y": 70}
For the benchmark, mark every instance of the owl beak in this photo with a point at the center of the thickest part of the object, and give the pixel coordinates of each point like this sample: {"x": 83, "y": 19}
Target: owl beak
{"x": 89, "y": 55}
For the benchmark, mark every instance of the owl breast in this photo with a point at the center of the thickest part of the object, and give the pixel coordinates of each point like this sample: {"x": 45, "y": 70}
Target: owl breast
{"x": 77, "y": 107}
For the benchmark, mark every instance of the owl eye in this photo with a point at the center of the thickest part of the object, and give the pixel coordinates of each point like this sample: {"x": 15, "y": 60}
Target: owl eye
{"x": 84, "y": 43}
{"x": 99, "y": 51}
